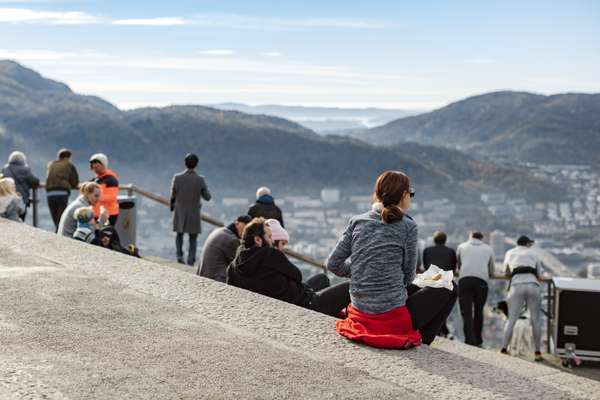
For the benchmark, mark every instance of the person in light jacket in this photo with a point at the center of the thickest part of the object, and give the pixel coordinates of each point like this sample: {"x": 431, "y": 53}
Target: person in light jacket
{"x": 11, "y": 203}
{"x": 523, "y": 268}
{"x": 90, "y": 194}
{"x": 25, "y": 181}
{"x": 475, "y": 264}
{"x": 187, "y": 191}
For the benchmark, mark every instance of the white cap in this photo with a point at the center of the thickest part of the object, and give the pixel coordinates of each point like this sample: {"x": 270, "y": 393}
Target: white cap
{"x": 101, "y": 158}
{"x": 262, "y": 191}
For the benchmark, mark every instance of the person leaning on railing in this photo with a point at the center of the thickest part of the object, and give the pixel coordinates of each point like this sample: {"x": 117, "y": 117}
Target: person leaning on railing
{"x": 378, "y": 252}
{"x": 524, "y": 268}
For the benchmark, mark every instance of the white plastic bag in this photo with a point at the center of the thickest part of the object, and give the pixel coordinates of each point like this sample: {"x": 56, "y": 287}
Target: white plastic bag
{"x": 426, "y": 278}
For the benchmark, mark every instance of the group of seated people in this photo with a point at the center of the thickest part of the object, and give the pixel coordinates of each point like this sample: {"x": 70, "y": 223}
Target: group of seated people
{"x": 377, "y": 253}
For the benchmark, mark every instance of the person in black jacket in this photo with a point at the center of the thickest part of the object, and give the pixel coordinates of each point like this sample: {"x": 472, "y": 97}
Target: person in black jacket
{"x": 439, "y": 254}
{"x": 261, "y": 268}
{"x": 18, "y": 169}
{"x": 444, "y": 257}
{"x": 265, "y": 206}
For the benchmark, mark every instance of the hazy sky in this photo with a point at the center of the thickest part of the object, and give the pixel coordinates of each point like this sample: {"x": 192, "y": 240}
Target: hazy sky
{"x": 408, "y": 54}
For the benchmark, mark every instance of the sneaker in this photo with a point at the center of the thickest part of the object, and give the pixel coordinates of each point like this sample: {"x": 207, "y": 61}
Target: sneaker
{"x": 504, "y": 351}
{"x": 538, "y": 356}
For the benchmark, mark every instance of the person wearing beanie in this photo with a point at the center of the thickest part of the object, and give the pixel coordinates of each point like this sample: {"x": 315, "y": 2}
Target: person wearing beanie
{"x": 280, "y": 236}
{"x": 187, "y": 191}
{"x": 265, "y": 206}
{"x": 219, "y": 249}
{"x": 109, "y": 187}
{"x": 61, "y": 179}
{"x": 25, "y": 181}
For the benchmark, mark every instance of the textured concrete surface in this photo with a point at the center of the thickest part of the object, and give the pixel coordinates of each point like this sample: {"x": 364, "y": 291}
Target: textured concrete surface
{"x": 77, "y": 321}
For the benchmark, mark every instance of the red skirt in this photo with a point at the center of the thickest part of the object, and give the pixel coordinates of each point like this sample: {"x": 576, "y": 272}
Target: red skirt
{"x": 389, "y": 330}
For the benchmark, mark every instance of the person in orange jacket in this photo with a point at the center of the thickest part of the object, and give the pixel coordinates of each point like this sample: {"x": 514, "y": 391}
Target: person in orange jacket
{"x": 109, "y": 187}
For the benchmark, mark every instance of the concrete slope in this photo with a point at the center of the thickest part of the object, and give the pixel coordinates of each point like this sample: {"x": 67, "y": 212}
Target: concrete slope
{"x": 77, "y": 321}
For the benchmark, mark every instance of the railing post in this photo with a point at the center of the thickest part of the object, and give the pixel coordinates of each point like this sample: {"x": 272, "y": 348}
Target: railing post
{"x": 549, "y": 315}
{"x": 35, "y": 207}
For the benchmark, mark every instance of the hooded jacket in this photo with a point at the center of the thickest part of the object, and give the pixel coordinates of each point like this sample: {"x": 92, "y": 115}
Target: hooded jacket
{"x": 267, "y": 271}
{"x": 265, "y": 207}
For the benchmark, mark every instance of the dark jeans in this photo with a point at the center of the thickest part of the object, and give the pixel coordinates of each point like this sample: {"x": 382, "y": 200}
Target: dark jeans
{"x": 192, "y": 249}
{"x": 112, "y": 220}
{"x": 472, "y": 295}
{"x": 57, "y": 205}
{"x": 327, "y": 299}
{"x": 429, "y": 308}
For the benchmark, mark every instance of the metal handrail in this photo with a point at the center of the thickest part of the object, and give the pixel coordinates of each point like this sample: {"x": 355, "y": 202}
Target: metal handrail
{"x": 131, "y": 189}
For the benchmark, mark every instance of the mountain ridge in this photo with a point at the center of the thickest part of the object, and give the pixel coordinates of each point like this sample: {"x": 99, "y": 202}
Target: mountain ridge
{"x": 561, "y": 128}
{"x": 238, "y": 152}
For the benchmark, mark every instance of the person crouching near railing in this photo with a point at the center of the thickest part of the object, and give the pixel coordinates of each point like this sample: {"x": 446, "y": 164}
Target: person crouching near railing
{"x": 89, "y": 196}
{"x": 11, "y": 202}
{"x": 523, "y": 267}
{"x": 264, "y": 269}
{"x": 378, "y": 252}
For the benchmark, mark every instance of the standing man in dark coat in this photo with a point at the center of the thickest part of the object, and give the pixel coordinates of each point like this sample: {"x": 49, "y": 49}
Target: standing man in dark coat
{"x": 25, "y": 181}
{"x": 220, "y": 248}
{"x": 187, "y": 191}
{"x": 265, "y": 206}
{"x": 442, "y": 256}
{"x": 62, "y": 178}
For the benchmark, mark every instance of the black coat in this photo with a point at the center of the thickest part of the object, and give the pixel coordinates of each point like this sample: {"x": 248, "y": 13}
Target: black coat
{"x": 440, "y": 255}
{"x": 268, "y": 271}
{"x": 265, "y": 207}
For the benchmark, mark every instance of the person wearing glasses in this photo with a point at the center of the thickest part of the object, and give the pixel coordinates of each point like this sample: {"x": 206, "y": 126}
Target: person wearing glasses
{"x": 378, "y": 253}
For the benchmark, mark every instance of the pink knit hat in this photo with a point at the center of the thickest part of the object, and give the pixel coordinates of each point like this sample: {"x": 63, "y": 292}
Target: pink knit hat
{"x": 277, "y": 231}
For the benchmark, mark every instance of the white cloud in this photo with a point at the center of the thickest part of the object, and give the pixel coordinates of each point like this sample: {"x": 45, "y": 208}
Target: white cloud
{"x": 217, "y": 52}
{"x": 161, "y": 21}
{"x": 23, "y": 15}
{"x": 270, "y": 54}
{"x": 50, "y": 55}
{"x": 479, "y": 61}
{"x": 236, "y": 21}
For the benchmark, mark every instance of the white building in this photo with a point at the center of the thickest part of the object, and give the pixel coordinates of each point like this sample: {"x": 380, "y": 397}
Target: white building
{"x": 497, "y": 241}
{"x": 330, "y": 195}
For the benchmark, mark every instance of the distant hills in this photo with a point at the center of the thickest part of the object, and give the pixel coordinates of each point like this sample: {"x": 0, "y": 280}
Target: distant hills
{"x": 238, "y": 151}
{"x": 558, "y": 129}
{"x": 324, "y": 120}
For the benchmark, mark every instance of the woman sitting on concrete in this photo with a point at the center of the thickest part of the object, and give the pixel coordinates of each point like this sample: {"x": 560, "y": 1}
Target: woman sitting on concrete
{"x": 262, "y": 268}
{"x": 378, "y": 252}
{"x": 11, "y": 202}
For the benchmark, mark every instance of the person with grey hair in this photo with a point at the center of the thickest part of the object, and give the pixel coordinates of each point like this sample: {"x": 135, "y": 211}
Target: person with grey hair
{"x": 19, "y": 171}
{"x": 265, "y": 206}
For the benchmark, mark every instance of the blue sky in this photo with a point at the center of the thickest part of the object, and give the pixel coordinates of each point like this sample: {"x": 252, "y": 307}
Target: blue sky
{"x": 416, "y": 55}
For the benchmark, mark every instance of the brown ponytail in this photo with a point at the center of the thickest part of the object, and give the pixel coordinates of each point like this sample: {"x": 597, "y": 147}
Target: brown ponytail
{"x": 390, "y": 187}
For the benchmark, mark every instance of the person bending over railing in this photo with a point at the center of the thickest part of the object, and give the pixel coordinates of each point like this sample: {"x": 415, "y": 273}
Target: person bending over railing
{"x": 262, "y": 268}
{"x": 378, "y": 252}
